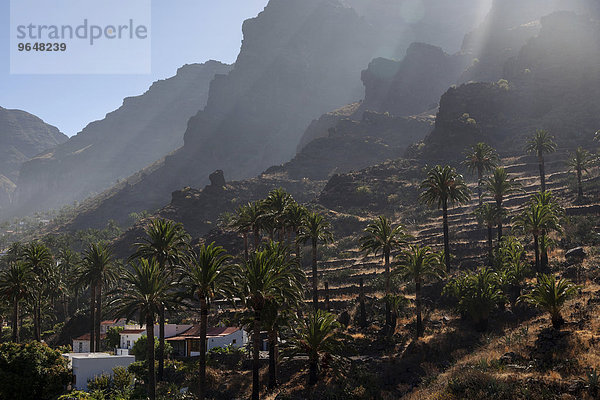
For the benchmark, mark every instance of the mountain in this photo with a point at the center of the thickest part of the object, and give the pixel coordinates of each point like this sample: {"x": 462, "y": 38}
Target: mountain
{"x": 22, "y": 136}
{"x": 141, "y": 131}
{"x": 299, "y": 59}
{"x": 552, "y": 84}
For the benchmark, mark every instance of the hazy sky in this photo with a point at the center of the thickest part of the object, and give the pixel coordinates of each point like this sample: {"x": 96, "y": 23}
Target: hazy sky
{"x": 183, "y": 32}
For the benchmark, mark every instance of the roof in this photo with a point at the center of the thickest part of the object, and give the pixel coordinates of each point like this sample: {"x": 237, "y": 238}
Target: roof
{"x": 131, "y": 331}
{"x": 86, "y": 336}
{"x": 111, "y": 321}
{"x": 194, "y": 333}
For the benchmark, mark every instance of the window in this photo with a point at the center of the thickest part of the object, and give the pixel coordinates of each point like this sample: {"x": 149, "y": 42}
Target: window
{"x": 128, "y": 344}
{"x": 234, "y": 341}
{"x": 81, "y": 347}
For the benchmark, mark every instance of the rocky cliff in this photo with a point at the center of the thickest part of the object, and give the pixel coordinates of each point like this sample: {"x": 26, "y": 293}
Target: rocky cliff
{"x": 22, "y": 136}
{"x": 299, "y": 59}
{"x": 553, "y": 83}
{"x": 144, "y": 129}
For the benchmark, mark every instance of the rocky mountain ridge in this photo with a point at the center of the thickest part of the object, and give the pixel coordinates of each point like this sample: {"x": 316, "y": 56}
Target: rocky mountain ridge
{"x": 144, "y": 129}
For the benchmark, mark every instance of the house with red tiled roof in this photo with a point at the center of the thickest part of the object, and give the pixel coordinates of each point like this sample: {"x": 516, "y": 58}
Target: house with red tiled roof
{"x": 187, "y": 344}
{"x": 130, "y": 336}
{"x": 81, "y": 344}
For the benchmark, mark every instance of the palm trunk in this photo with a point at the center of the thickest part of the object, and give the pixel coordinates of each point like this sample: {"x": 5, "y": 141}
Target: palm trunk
{"x": 490, "y": 245}
{"x": 363, "y": 314}
{"x": 327, "y": 306}
{"x": 537, "y": 252}
{"x": 245, "y": 235}
{"x": 388, "y": 309}
{"x": 161, "y": 344}
{"x": 256, "y": 238}
{"x": 15, "y": 322}
{"x": 579, "y": 186}
{"x": 92, "y": 317}
{"x": 203, "y": 328}
{"x": 272, "y": 358}
{"x": 542, "y": 172}
{"x": 418, "y": 308}
{"x": 98, "y": 315}
{"x": 446, "y": 234}
{"x": 150, "y": 357}
{"x": 499, "y": 205}
{"x": 65, "y": 304}
{"x": 315, "y": 280}
{"x": 479, "y": 189}
{"x": 544, "y": 253}
{"x": 313, "y": 369}
{"x": 255, "y": 356}
{"x": 36, "y": 320}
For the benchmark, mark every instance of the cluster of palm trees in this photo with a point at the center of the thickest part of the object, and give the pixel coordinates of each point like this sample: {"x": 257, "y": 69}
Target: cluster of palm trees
{"x": 167, "y": 273}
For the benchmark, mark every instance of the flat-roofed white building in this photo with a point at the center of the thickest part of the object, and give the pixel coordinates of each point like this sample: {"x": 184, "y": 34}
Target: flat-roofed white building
{"x": 87, "y": 366}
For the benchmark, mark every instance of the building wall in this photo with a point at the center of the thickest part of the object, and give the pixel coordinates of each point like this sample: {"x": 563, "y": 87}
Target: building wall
{"x": 236, "y": 339}
{"x": 131, "y": 337}
{"x": 85, "y": 369}
{"x": 81, "y": 346}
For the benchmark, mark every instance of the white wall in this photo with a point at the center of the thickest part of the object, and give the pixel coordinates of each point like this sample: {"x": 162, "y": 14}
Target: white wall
{"x": 85, "y": 346}
{"x": 131, "y": 337}
{"x": 96, "y": 364}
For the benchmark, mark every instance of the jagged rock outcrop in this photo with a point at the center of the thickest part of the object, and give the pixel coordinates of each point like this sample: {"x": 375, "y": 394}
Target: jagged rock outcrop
{"x": 299, "y": 59}
{"x": 552, "y": 84}
{"x": 413, "y": 85}
{"x": 353, "y": 144}
{"x": 22, "y": 136}
{"x": 507, "y": 27}
{"x": 144, "y": 129}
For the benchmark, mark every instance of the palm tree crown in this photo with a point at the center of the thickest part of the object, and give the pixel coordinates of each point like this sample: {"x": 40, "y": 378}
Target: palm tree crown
{"x": 443, "y": 187}
{"x": 481, "y": 158}
{"x": 539, "y": 144}
{"x": 551, "y": 294}
{"x": 580, "y": 162}
{"x": 417, "y": 265}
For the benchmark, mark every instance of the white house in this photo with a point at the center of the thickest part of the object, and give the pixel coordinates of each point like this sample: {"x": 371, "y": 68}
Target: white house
{"x": 130, "y": 336}
{"x": 86, "y": 366}
{"x": 81, "y": 344}
{"x": 187, "y": 344}
{"x": 113, "y": 323}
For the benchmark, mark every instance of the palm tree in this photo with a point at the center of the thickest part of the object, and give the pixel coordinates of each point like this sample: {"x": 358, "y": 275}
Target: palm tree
{"x": 145, "y": 287}
{"x": 97, "y": 270}
{"x": 207, "y": 276}
{"x": 316, "y": 229}
{"x": 277, "y": 311}
{"x": 275, "y": 205}
{"x": 580, "y": 162}
{"x": 443, "y": 187}
{"x": 514, "y": 270}
{"x": 294, "y": 218}
{"x": 478, "y": 294}
{"x": 255, "y": 218}
{"x": 417, "y": 265}
{"x": 381, "y": 236}
{"x": 539, "y": 144}
{"x": 166, "y": 242}
{"x": 481, "y": 158}
{"x": 318, "y": 334}
{"x": 546, "y": 198}
{"x": 499, "y": 185}
{"x": 536, "y": 219}
{"x": 38, "y": 259}
{"x": 15, "y": 284}
{"x": 488, "y": 215}
{"x": 261, "y": 280}
{"x": 551, "y": 294}
{"x": 241, "y": 223}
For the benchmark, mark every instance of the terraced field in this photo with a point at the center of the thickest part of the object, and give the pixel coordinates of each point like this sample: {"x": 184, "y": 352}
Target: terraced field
{"x": 468, "y": 238}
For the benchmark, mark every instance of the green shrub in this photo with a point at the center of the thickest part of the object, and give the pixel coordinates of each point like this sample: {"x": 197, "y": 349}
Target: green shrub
{"x": 139, "y": 348}
{"x": 32, "y": 371}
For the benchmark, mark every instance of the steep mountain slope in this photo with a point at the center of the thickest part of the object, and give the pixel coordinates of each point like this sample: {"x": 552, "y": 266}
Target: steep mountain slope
{"x": 298, "y": 60}
{"x": 141, "y": 131}
{"x": 22, "y": 136}
{"x": 554, "y": 83}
